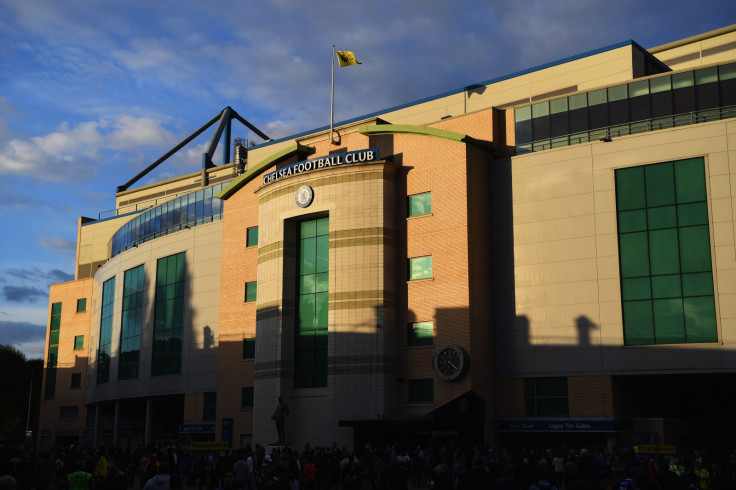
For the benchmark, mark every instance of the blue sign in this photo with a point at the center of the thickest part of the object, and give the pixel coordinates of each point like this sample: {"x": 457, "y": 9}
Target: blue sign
{"x": 563, "y": 425}
{"x": 227, "y": 431}
{"x": 358, "y": 156}
{"x": 189, "y": 428}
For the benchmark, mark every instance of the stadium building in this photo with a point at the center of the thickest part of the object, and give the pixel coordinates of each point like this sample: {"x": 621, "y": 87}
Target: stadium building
{"x": 548, "y": 256}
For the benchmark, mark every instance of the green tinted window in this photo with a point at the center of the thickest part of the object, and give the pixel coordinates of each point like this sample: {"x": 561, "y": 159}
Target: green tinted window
{"x": 249, "y": 348}
{"x": 251, "y": 291}
{"x": 421, "y": 391}
{"x": 246, "y": 398}
{"x": 55, "y": 316}
{"x": 546, "y": 397}
{"x": 81, "y": 305}
{"x": 420, "y": 334}
{"x": 209, "y": 408}
{"x": 310, "y": 349}
{"x": 104, "y": 350}
{"x": 132, "y": 319}
{"x": 79, "y": 342}
{"x": 168, "y": 315}
{"x": 420, "y": 267}
{"x": 76, "y": 380}
{"x": 420, "y": 204}
{"x": 665, "y": 259}
{"x": 54, "y": 337}
{"x": 252, "y": 237}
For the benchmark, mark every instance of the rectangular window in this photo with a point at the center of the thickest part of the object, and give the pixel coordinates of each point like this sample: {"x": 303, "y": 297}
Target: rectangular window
{"x": 132, "y": 319}
{"x": 251, "y": 291}
{"x": 210, "y": 406}
{"x": 420, "y": 204}
{"x": 51, "y": 364}
{"x": 78, "y": 342}
{"x": 81, "y": 305}
{"x": 310, "y": 349}
{"x": 76, "y": 380}
{"x": 420, "y": 267}
{"x": 168, "y": 315}
{"x": 103, "y": 353}
{"x": 546, "y": 397}
{"x": 420, "y": 334}
{"x": 421, "y": 391}
{"x": 664, "y": 254}
{"x": 249, "y": 349}
{"x": 246, "y": 398}
{"x": 251, "y": 239}
{"x": 69, "y": 412}
{"x": 55, "y": 317}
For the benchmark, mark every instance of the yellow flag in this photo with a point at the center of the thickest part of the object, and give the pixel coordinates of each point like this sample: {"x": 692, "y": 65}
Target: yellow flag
{"x": 347, "y": 58}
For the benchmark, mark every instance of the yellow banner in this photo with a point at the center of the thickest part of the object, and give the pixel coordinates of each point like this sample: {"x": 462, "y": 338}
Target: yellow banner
{"x": 209, "y": 446}
{"x": 654, "y": 449}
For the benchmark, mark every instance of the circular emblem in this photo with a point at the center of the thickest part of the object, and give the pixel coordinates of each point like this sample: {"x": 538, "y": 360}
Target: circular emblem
{"x": 304, "y": 196}
{"x": 450, "y": 362}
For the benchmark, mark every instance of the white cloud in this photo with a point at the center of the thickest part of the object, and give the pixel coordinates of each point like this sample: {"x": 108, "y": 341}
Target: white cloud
{"x": 71, "y": 153}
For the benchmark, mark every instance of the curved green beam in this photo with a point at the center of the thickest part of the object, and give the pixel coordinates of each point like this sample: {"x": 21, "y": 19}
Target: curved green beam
{"x": 425, "y": 131}
{"x": 258, "y": 169}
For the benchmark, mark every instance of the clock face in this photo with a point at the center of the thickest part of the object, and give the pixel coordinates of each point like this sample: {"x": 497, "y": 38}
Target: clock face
{"x": 304, "y": 196}
{"x": 449, "y": 362}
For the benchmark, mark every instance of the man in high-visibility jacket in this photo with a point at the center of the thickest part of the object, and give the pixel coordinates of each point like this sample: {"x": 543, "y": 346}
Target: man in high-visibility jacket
{"x": 80, "y": 479}
{"x": 677, "y": 468}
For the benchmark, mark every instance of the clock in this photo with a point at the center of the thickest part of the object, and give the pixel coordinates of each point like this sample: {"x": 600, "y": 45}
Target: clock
{"x": 450, "y": 362}
{"x": 304, "y": 196}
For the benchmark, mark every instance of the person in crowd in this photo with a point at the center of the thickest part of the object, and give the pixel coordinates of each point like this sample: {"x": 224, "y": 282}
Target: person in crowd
{"x": 160, "y": 480}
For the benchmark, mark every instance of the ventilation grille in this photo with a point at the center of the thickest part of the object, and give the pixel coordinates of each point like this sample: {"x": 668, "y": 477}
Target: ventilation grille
{"x": 706, "y": 52}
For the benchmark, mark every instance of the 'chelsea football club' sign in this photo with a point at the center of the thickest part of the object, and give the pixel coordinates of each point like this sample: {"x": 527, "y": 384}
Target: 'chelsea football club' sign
{"x": 358, "y": 156}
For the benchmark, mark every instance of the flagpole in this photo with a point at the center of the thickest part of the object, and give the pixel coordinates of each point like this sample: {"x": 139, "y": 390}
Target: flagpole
{"x": 332, "y": 97}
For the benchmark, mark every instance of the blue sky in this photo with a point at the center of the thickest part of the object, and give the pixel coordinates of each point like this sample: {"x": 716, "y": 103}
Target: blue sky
{"x": 93, "y": 91}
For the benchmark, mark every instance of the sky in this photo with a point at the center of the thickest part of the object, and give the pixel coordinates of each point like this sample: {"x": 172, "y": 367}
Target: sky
{"x": 93, "y": 91}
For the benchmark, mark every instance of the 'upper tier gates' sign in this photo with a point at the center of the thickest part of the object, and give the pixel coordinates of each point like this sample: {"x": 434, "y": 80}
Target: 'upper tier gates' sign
{"x": 358, "y": 156}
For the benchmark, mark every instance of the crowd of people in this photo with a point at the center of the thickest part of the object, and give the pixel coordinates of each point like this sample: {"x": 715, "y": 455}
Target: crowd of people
{"x": 81, "y": 467}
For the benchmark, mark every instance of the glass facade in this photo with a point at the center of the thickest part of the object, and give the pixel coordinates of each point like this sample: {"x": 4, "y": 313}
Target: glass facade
{"x": 103, "y": 352}
{"x": 183, "y": 212}
{"x": 663, "y": 102}
{"x": 546, "y": 397}
{"x": 420, "y": 204}
{"x": 132, "y": 319}
{"x": 664, "y": 252}
{"x": 53, "y": 356}
{"x": 169, "y": 315}
{"x": 310, "y": 356}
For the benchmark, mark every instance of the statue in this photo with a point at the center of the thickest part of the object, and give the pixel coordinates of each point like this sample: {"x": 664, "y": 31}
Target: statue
{"x": 279, "y": 416}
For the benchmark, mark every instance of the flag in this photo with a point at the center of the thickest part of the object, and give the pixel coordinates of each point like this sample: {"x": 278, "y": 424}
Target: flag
{"x": 347, "y": 58}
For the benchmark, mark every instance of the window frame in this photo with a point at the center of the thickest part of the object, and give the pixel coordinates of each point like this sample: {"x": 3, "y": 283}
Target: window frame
{"x": 249, "y": 344}
{"x": 76, "y": 338}
{"x": 409, "y": 200}
{"x": 78, "y": 378}
{"x": 81, "y": 305}
{"x": 247, "y": 398}
{"x": 538, "y": 385}
{"x": 416, "y": 260}
{"x": 249, "y": 232}
{"x": 251, "y": 292}
{"x": 415, "y": 390}
{"x": 413, "y": 340}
